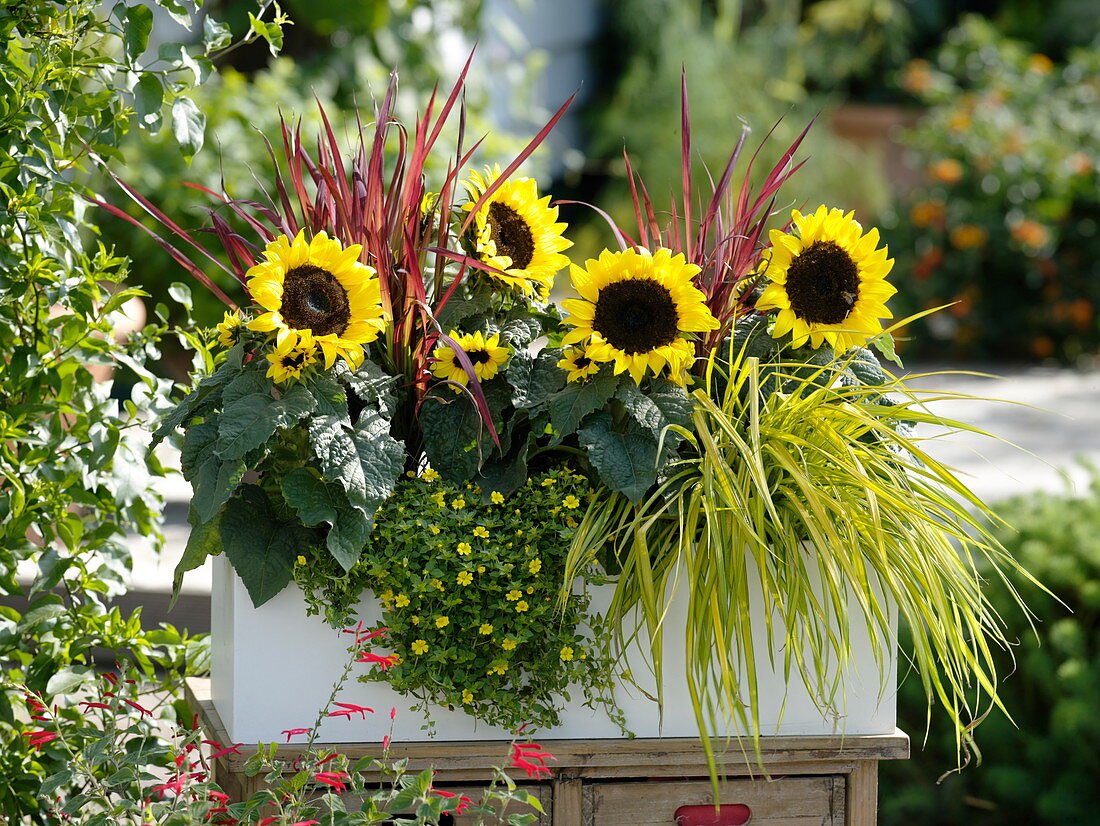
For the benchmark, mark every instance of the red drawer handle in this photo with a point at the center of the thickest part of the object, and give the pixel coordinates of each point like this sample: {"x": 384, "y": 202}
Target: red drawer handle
{"x": 728, "y": 814}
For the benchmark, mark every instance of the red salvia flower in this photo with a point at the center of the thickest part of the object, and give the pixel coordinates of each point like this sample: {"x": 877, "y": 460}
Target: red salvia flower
{"x": 227, "y": 750}
{"x": 95, "y": 705}
{"x": 37, "y": 739}
{"x": 174, "y": 785}
{"x": 140, "y": 708}
{"x": 463, "y": 802}
{"x": 294, "y": 732}
{"x": 348, "y": 709}
{"x": 531, "y": 758}
{"x": 382, "y": 661}
{"x": 333, "y": 779}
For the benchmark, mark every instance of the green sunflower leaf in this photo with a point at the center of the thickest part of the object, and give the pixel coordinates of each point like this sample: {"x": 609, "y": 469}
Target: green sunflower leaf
{"x": 317, "y": 503}
{"x": 662, "y": 405}
{"x": 204, "y": 540}
{"x": 458, "y": 309}
{"x": 203, "y": 396}
{"x": 535, "y": 379}
{"x": 212, "y": 479}
{"x": 506, "y": 474}
{"x": 451, "y": 429}
{"x": 627, "y": 462}
{"x": 370, "y": 383}
{"x": 251, "y": 420}
{"x": 382, "y": 457}
{"x": 569, "y": 406}
{"x": 261, "y": 548}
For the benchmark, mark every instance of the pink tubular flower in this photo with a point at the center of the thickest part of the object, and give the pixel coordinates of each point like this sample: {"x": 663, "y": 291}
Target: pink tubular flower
{"x": 531, "y": 758}
{"x": 140, "y": 708}
{"x": 362, "y": 636}
{"x": 235, "y": 749}
{"x": 382, "y": 661}
{"x": 393, "y": 713}
{"x": 348, "y": 709}
{"x": 174, "y": 785}
{"x": 333, "y": 779}
{"x": 306, "y": 823}
{"x": 385, "y": 742}
{"x": 294, "y": 732}
{"x": 326, "y": 759}
{"x": 88, "y": 705}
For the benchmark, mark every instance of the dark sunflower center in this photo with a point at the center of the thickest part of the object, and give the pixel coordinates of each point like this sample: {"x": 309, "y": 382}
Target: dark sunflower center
{"x": 511, "y": 235}
{"x": 293, "y": 361}
{"x": 823, "y": 283}
{"x": 314, "y": 300}
{"x": 475, "y": 356}
{"x": 636, "y": 315}
{"x": 581, "y": 362}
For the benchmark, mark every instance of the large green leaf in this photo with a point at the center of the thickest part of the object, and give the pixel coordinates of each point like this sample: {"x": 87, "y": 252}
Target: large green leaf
{"x": 261, "y": 548}
{"x": 317, "y": 503}
{"x": 203, "y": 541}
{"x": 627, "y": 462}
{"x": 251, "y": 420}
{"x": 212, "y": 479}
{"x": 370, "y": 384}
{"x": 569, "y": 407}
{"x": 381, "y": 456}
{"x": 451, "y": 428}
{"x": 663, "y": 405}
{"x": 204, "y": 396}
{"x": 535, "y": 379}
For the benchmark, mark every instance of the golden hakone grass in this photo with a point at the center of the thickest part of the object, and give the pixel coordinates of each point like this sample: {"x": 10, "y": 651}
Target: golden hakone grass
{"x": 811, "y": 485}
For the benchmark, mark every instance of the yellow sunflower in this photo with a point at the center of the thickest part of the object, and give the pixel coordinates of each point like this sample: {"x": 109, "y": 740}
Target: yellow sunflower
{"x": 229, "y": 331}
{"x": 637, "y": 309}
{"x": 828, "y": 281}
{"x": 318, "y": 287}
{"x": 486, "y": 354}
{"x": 292, "y": 356}
{"x": 517, "y": 233}
{"x": 576, "y": 361}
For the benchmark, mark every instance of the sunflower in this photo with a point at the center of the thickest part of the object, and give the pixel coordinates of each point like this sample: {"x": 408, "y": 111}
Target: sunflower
{"x": 229, "y": 331}
{"x": 637, "y": 309}
{"x": 486, "y": 354}
{"x": 516, "y": 233}
{"x": 292, "y": 356}
{"x": 320, "y": 288}
{"x": 828, "y": 281}
{"x": 576, "y": 361}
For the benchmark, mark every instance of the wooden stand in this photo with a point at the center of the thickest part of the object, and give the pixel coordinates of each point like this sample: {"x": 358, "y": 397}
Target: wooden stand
{"x": 832, "y": 781}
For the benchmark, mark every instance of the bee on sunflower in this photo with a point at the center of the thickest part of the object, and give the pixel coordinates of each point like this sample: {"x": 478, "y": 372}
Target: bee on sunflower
{"x": 486, "y": 354}
{"x": 318, "y": 289}
{"x": 827, "y": 280}
{"x": 639, "y": 310}
{"x": 516, "y": 232}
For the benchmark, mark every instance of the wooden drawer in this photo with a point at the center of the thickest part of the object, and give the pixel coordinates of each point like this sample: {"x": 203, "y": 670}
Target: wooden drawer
{"x": 787, "y": 801}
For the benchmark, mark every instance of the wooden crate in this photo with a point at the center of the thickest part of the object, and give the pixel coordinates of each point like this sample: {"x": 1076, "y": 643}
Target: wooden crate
{"x": 831, "y": 781}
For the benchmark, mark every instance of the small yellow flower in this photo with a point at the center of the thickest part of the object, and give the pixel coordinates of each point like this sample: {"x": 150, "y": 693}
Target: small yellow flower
{"x": 571, "y": 502}
{"x": 442, "y": 622}
{"x": 458, "y": 504}
{"x": 566, "y": 654}
{"x": 438, "y": 498}
{"x": 555, "y": 511}
{"x": 481, "y": 569}
{"x": 496, "y": 497}
{"x": 571, "y": 522}
{"x": 415, "y": 620}
{"x": 467, "y": 696}
{"x": 464, "y": 548}
{"x": 435, "y": 583}
{"x": 464, "y": 578}
{"x": 549, "y": 482}
{"x": 522, "y": 606}
{"x": 434, "y": 529}
{"x": 429, "y": 475}
{"x": 482, "y": 532}
{"x": 513, "y": 595}
{"x": 229, "y": 331}
{"x": 419, "y": 646}
{"x": 519, "y": 531}
{"x": 535, "y": 565}
{"x": 508, "y": 644}
{"x": 301, "y": 560}
{"x": 499, "y": 668}
{"x": 530, "y": 589}
{"x": 386, "y": 596}
{"x": 401, "y": 600}
{"x": 485, "y": 629}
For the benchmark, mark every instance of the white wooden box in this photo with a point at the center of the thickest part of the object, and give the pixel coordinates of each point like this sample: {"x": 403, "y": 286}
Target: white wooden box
{"x": 273, "y": 669}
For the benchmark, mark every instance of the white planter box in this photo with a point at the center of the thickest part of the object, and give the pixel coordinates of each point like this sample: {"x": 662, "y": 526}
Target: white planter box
{"x": 273, "y": 669}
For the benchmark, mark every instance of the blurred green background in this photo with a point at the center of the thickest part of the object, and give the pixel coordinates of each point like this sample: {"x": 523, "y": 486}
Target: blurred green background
{"x": 967, "y": 131}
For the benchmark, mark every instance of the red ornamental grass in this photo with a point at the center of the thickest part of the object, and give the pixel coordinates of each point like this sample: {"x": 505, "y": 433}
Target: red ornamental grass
{"x": 724, "y": 235}
{"x": 370, "y": 197}
{"x": 531, "y": 758}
